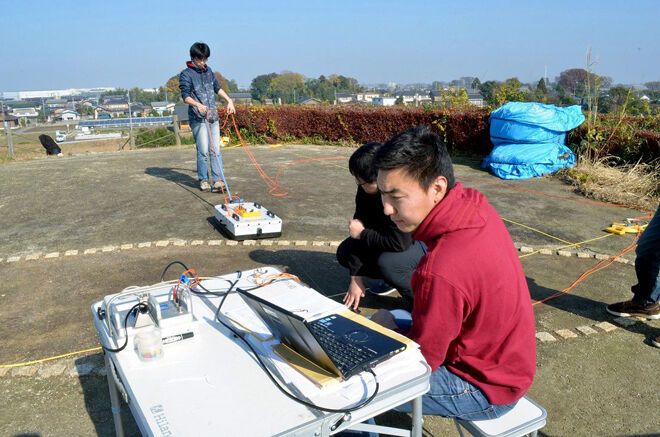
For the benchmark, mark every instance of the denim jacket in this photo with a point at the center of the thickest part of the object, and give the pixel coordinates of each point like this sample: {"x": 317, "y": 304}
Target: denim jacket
{"x": 201, "y": 85}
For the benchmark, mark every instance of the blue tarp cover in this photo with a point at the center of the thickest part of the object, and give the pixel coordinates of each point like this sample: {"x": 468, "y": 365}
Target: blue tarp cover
{"x": 529, "y": 139}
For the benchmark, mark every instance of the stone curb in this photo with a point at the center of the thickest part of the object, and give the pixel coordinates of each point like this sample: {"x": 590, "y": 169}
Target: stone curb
{"x": 178, "y": 242}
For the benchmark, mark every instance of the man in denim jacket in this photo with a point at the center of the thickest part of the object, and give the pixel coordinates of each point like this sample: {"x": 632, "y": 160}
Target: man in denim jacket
{"x": 198, "y": 87}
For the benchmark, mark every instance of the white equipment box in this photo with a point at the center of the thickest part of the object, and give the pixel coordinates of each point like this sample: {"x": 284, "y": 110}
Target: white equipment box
{"x": 248, "y": 220}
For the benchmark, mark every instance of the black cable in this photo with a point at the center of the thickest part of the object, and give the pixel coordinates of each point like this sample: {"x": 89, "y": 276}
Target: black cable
{"x": 199, "y": 293}
{"x": 170, "y": 265}
{"x": 135, "y": 307}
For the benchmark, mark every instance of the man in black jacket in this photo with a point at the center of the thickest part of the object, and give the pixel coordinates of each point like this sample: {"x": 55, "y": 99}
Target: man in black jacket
{"x": 376, "y": 248}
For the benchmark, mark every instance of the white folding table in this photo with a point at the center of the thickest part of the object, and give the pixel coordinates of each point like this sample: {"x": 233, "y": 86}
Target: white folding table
{"x": 212, "y": 384}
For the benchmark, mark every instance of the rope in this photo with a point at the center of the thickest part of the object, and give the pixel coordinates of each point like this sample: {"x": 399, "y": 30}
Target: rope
{"x": 43, "y": 360}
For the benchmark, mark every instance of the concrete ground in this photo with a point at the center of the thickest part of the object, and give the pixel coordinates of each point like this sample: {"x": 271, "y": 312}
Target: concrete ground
{"x": 78, "y": 228}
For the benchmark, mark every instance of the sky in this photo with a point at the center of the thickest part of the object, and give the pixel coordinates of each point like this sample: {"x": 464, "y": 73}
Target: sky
{"x": 83, "y": 44}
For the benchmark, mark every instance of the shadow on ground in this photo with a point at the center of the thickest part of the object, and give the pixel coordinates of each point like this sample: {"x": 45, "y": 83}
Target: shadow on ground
{"x": 180, "y": 176}
{"x": 97, "y": 401}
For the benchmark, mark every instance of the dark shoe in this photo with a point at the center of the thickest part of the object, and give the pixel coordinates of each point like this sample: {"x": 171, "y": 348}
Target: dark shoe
{"x": 205, "y": 186}
{"x": 656, "y": 341}
{"x": 378, "y": 287}
{"x": 632, "y": 309}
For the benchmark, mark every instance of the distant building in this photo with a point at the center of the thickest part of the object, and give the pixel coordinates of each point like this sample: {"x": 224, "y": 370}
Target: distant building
{"x": 181, "y": 113}
{"x": 309, "y": 101}
{"x": 113, "y": 105}
{"x": 244, "y": 98}
{"x": 56, "y": 103}
{"x": 161, "y": 107}
{"x": 384, "y": 101}
{"x": 366, "y": 97}
{"x": 475, "y": 97}
{"x": 414, "y": 97}
{"x": 345, "y": 98}
{"x": 25, "y": 114}
{"x": 69, "y": 114}
{"x": 10, "y": 120}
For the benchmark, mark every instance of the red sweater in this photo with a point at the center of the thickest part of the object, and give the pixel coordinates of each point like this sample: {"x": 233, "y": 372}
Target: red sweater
{"x": 472, "y": 310}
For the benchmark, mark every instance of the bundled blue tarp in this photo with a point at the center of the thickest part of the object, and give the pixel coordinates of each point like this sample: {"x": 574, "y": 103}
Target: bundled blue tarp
{"x": 529, "y": 139}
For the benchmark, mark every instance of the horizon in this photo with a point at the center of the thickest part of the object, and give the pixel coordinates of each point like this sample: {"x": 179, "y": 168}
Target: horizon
{"x": 142, "y": 45}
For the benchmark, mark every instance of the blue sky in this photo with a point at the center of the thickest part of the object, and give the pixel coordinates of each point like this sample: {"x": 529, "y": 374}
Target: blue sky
{"x": 52, "y": 45}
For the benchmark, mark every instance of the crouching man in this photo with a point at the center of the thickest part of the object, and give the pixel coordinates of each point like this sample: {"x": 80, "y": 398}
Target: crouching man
{"x": 472, "y": 313}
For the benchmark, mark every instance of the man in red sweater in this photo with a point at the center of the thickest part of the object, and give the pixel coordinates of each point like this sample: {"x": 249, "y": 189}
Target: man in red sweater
{"x": 472, "y": 312}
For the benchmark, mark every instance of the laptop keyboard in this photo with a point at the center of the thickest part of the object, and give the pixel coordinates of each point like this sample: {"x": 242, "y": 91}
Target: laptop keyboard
{"x": 344, "y": 354}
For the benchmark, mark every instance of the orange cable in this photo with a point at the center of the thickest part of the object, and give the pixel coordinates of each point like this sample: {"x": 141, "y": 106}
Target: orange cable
{"x": 599, "y": 266}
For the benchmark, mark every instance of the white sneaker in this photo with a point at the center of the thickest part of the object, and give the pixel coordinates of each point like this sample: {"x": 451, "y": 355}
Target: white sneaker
{"x": 204, "y": 186}
{"x": 218, "y": 186}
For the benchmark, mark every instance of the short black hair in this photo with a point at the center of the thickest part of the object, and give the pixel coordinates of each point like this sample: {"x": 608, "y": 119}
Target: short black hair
{"x": 421, "y": 153}
{"x": 361, "y": 163}
{"x": 200, "y": 50}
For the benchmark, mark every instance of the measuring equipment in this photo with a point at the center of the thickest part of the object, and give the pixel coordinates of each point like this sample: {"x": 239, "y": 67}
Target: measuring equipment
{"x": 133, "y": 312}
{"x": 248, "y": 220}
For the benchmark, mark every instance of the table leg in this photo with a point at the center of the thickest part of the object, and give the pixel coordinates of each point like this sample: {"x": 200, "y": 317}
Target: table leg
{"x": 114, "y": 399}
{"x": 417, "y": 417}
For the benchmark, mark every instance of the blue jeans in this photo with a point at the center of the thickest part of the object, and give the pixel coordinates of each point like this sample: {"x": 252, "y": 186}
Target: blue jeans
{"x": 200, "y": 130}
{"x": 647, "y": 264}
{"x": 452, "y": 396}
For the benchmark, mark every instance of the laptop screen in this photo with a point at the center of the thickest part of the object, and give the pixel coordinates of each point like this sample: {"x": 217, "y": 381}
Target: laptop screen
{"x": 359, "y": 345}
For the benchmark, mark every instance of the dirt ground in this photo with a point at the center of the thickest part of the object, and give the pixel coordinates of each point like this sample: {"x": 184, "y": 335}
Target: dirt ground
{"x": 102, "y": 206}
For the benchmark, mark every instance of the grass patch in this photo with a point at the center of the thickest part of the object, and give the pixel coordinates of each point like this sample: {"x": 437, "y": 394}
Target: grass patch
{"x": 608, "y": 180}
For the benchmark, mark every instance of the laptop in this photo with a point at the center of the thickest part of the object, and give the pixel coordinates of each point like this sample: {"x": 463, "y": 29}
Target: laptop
{"x": 335, "y": 343}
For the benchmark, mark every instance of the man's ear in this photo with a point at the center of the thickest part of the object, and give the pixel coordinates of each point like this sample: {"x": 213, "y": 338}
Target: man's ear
{"x": 439, "y": 188}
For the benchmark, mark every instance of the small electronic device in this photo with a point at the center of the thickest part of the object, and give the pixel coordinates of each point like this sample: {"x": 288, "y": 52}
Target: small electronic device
{"x": 248, "y": 220}
{"x": 169, "y": 309}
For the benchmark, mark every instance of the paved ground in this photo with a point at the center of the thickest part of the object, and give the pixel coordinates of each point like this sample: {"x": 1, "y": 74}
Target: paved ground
{"x": 75, "y": 229}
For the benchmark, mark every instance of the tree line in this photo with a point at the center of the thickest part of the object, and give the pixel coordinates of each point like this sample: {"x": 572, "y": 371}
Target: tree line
{"x": 572, "y": 86}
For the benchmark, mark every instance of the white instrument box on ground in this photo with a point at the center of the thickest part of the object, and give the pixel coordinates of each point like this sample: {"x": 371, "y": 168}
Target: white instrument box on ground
{"x": 248, "y": 220}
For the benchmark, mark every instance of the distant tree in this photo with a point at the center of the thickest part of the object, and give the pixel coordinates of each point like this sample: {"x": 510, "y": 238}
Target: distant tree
{"x": 224, "y": 83}
{"x": 509, "y": 91}
{"x": 287, "y": 86}
{"x": 115, "y": 92}
{"x": 321, "y": 89}
{"x": 476, "y": 83}
{"x": 172, "y": 88}
{"x": 574, "y": 82}
{"x": 399, "y": 101}
{"x": 260, "y": 85}
{"x": 541, "y": 87}
{"x": 453, "y": 98}
{"x": 233, "y": 86}
{"x": 605, "y": 82}
{"x": 487, "y": 90}
{"x": 622, "y": 100}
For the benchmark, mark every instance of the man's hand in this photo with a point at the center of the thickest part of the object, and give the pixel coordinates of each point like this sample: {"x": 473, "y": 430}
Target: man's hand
{"x": 202, "y": 109}
{"x": 384, "y": 318}
{"x": 355, "y": 228}
{"x": 230, "y": 107}
{"x": 355, "y": 293}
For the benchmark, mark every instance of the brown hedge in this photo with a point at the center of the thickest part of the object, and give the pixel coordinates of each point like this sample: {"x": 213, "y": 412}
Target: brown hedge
{"x": 464, "y": 130}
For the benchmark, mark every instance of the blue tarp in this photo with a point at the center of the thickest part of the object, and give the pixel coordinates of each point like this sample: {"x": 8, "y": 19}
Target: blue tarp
{"x": 529, "y": 139}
